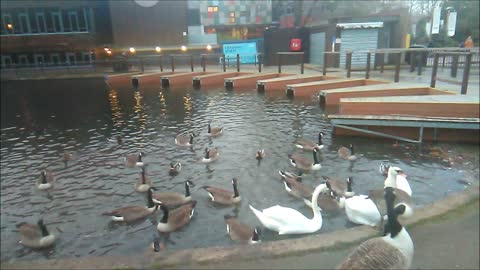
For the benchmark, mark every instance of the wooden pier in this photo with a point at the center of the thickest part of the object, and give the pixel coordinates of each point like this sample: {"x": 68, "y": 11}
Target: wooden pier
{"x": 282, "y": 82}
{"x": 250, "y": 80}
{"x": 150, "y": 78}
{"x": 215, "y": 79}
{"x": 182, "y": 79}
{"x": 307, "y": 89}
{"x": 332, "y": 97}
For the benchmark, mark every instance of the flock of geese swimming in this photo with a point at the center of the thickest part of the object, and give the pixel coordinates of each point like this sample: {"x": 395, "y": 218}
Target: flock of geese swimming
{"x": 394, "y": 250}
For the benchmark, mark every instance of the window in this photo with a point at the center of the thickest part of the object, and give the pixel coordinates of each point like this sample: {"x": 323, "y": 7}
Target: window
{"x": 73, "y": 19}
{"x": 41, "y": 24}
{"x": 23, "y": 60}
{"x": 86, "y": 58}
{"x": 57, "y": 21}
{"x": 39, "y": 59}
{"x": 55, "y": 59}
{"x": 71, "y": 59}
{"x": 24, "y": 23}
{"x": 6, "y": 61}
{"x": 212, "y": 9}
{"x": 7, "y": 24}
{"x": 232, "y": 14}
{"x": 232, "y": 19}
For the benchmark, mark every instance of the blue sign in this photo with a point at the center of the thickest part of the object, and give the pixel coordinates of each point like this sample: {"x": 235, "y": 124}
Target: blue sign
{"x": 246, "y": 50}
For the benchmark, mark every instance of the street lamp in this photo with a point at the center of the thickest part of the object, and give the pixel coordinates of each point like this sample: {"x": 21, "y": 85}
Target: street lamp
{"x": 184, "y": 48}
{"x": 158, "y": 49}
{"x": 132, "y": 50}
{"x": 209, "y": 47}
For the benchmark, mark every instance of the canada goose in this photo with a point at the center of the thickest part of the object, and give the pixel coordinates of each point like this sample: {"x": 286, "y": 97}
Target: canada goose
{"x": 143, "y": 182}
{"x": 295, "y": 187}
{"x": 342, "y": 188}
{"x": 214, "y": 131}
{"x": 184, "y": 140}
{"x": 35, "y": 235}
{"x": 289, "y": 175}
{"x": 369, "y": 209}
{"x": 211, "y": 155}
{"x": 134, "y": 213}
{"x": 392, "y": 251}
{"x": 173, "y": 220}
{"x": 383, "y": 169}
{"x": 172, "y": 199}
{"x": 309, "y": 145}
{"x": 347, "y": 153}
{"x": 46, "y": 180}
{"x": 260, "y": 154}
{"x": 397, "y": 179}
{"x": 286, "y": 220}
{"x": 175, "y": 168}
{"x": 223, "y": 196}
{"x": 304, "y": 163}
{"x": 327, "y": 201}
{"x": 132, "y": 160}
{"x": 241, "y": 232}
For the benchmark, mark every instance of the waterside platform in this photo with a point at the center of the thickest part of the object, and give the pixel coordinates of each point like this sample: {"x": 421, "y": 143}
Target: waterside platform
{"x": 282, "y": 82}
{"x": 331, "y": 97}
{"x": 119, "y": 79}
{"x": 414, "y": 129}
{"x": 182, "y": 79}
{"x": 215, "y": 79}
{"x": 251, "y": 79}
{"x": 307, "y": 89}
{"x": 150, "y": 78}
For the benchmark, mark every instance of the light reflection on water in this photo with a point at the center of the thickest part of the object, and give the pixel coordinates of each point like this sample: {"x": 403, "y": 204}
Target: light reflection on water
{"x": 41, "y": 119}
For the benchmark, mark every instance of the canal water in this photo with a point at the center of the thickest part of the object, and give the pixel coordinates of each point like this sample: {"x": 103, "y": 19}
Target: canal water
{"x": 42, "y": 119}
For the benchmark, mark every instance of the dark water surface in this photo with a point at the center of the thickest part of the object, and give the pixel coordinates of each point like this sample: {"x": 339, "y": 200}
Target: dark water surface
{"x": 41, "y": 119}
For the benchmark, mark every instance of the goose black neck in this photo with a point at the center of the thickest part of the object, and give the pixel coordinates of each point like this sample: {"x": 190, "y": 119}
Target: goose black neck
{"x": 139, "y": 158}
{"x": 187, "y": 190}
{"x": 44, "y": 230}
{"x": 44, "y": 178}
{"x": 143, "y": 177}
{"x": 351, "y": 150}
{"x": 207, "y": 154}
{"x": 349, "y": 185}
{"x": 255, "y": 236}
{"x": 235, "y": 190}
{"x": 319, "y": 138}
{"x": 191, "y": 139}
{"x": 209, "y": 128}
{"x": 165, "y": 215}
{"x": 150, "y": 202}
{"x": 315, "y": 158}
{"x": 393, "y": 226}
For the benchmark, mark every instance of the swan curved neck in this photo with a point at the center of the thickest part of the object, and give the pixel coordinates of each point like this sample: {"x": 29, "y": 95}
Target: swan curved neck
{"x": 315, "y": 208}
{"x": 392, "y": 180}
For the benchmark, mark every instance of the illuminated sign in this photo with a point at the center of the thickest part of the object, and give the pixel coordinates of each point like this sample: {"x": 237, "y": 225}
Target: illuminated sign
{"x": 246, "y": 50}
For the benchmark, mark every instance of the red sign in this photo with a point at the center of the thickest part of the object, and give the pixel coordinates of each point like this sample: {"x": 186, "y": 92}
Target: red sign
{"x": 295, "y": 44}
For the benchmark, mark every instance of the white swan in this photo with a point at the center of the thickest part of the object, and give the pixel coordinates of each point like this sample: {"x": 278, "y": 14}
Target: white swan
{"x": 286, "y": 220}
{"x": 397, "y": 179}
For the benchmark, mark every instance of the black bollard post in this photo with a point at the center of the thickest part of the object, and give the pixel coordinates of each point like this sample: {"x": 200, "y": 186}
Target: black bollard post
{"x": 434, "y": 70}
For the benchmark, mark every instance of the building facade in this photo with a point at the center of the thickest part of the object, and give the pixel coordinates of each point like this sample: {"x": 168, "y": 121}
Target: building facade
{"x": 52, "y": 33}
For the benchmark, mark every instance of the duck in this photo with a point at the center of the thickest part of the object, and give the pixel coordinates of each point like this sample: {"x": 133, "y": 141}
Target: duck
{"x": 369, "y": 209}
{"x": 173, "y": 220}
{"x": 347, "y": 153}
{"x": 286, "y": 220}
{"x": 342, "y": 188}
{"x": 223, "y": 196}
{"x": 46, "y": 180}
{"x": 175, "y": 168}
{"x": 211, "y": 155}
{"x": 310, "y": 145}
{"x": 392, "y": 251}
{"x": 241, "y": 232}
{"x": 143, "y": 182}
{"x": 260, "y": 154}
{"x": 134, "y": 213}
{"x": 184, "y": 140}
{"x": 304, "y": 163}
{"x": 134, "y": 160}
{"x": 327, "y": 200}
{"x": 214, "y": 131}
{"x": 35, "y": 235}
{"x": 294, "y": 186}
{"x": 397, "y": 179}
{"x": 173, "y": 199}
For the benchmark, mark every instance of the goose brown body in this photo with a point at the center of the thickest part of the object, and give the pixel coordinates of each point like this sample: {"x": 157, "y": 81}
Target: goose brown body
{"x": 173, "y": 220}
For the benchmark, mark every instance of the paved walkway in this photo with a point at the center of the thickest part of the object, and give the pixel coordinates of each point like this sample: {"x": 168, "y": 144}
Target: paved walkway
{"x": 449, "y": 242}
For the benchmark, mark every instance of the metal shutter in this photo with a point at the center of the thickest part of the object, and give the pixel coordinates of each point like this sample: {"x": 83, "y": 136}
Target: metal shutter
{"x": 358, "y": 39}
{"x": 317, "y": 47}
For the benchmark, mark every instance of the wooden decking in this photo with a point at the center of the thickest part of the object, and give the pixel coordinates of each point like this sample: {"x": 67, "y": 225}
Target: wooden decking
{"x": 150, "y": 78}
{"x": 332, "y": 97}
{"x": 307, "y": 89}
{"x": 251, "y": 79}
{"x": 180, "y": 79}
{"x": 215, "y": 79}
{"x": 430, "y": 105}
{"x": 282, "y": 82}
{"x": 119, "y": 79}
